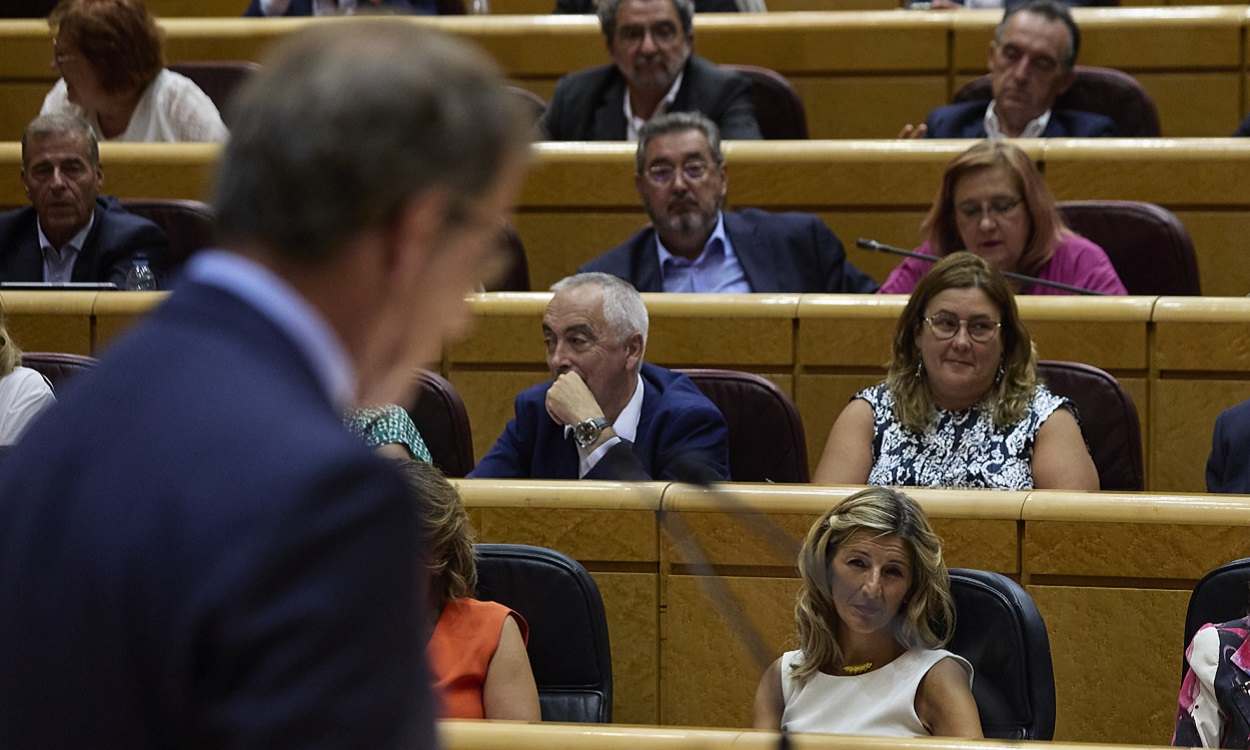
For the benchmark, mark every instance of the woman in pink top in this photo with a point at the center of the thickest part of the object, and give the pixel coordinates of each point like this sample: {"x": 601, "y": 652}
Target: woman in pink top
{"x": 994, "y": 203}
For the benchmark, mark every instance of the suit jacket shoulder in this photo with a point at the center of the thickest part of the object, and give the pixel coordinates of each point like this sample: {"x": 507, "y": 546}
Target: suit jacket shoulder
{"x": 723, "y": 95}
{"x": 1071, "y": 123}
{"x": 963, "y": 120}
{"x": 1228, "y": 466}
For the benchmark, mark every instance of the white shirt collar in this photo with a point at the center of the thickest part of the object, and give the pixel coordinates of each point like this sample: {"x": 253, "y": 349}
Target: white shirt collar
{"x": 1033, "y": 129}
{"x": 634, "y": 124}
{"x": 626, "y": 424}
{"x": 76, "y": 241}
{"x": 718, "y": 231}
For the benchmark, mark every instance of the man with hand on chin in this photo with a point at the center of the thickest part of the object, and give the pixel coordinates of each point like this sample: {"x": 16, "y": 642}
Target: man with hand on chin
{"x": 606, "y": 414}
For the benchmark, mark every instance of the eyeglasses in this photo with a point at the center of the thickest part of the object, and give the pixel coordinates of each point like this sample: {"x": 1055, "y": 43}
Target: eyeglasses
{"x": 662, "y": 175}
{"x": 661, "y": 33}
{"x": 995, "y": 207}
{"x": 980, "y": 330}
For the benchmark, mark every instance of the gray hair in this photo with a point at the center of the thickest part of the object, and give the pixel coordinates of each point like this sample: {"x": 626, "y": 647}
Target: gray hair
{"x": 345, "y": 125}
{"x": 45, "y": 126}
{"x": 609, "y": 8}
{"x": 1051, "y": 11}
{"x": 677, "y": 122}
{"x": 622, "y": 305}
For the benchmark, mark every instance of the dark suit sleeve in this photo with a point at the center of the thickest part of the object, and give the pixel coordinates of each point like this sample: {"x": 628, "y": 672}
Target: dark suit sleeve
{"x": 551, "y": 125}
{"x": 738, "y": 121}
{"x": 318, "y": 643}
{"x": 694, "y": 446}
{"x": 510, "y": 456}
{"x": 839, "y": 274}
{"x": 1243, "y": 129}
{"x": 1216, "y": 470}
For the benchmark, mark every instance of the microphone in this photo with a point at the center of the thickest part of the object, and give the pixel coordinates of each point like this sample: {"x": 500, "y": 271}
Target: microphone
{"x": 881, "y": 247}
{"x": 689, "y": 469}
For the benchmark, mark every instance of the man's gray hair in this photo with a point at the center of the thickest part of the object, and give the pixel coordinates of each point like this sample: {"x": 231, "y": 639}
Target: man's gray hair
{"x": 622, "y": 305}
{"x": 45, "y": 126}
{"x": 609, "y": 8}
{"x": 350, "y": 121}
{"x": 1051, "y": 11}
{"x": 677, "y": 122}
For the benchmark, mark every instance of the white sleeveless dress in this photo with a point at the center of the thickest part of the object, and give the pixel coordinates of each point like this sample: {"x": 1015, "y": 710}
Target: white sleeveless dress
{"x": 881, "y": 702}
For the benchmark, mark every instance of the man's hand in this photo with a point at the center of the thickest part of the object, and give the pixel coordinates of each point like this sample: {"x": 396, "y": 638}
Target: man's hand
{"x": 913, "y": 131}
{"x": 570, "y": 401}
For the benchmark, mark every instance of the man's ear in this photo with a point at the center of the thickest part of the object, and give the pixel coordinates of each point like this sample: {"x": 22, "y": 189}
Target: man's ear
{"x": 416, "y": 233}
{"x": 633, "y": 351}
{"x": 1066, "y": 82}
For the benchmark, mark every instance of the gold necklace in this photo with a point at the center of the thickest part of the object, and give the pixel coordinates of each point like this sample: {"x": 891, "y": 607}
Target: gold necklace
{"x": 854, "y": 669}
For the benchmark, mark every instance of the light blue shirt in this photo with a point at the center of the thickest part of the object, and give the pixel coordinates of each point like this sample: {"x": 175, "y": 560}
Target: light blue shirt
{"x": 58, "y": 263}
{"x": 276, "y": 301}
{"x": 715, "y": 270}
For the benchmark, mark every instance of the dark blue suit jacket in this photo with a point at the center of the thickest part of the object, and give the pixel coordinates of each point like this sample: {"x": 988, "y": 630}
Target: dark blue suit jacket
{"x": 587, "y": 105}
{"x": 786, "y": 252}
{"x": 195, "y": 553}
{"x": 1228, "y": 467}
{"x": 967, "y": 120}
{"x": 679, "y": 426}
{"x": 305, "y": 7}
{"x": 114, "y": 240}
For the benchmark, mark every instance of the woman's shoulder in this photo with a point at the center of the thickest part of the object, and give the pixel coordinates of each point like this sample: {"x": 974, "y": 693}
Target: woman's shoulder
{"x": 470, "y": 612}
{"x": 1045, "y": 402}
{"x": 876, "y": 395}
{"x": 190, "y": 111}
{"x": 25, "y": 380}
{"x": 929, "y": 658}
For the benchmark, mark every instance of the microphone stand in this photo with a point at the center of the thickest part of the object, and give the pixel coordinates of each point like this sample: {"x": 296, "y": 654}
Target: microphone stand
{"x": 892, "y": 250}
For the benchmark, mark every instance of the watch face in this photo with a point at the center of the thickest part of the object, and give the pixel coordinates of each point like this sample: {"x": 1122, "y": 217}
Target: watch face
{"x": 587, "y": 432}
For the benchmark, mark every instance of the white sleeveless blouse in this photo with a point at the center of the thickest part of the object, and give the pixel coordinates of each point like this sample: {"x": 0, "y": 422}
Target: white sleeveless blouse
{"x": 881, "y": 702}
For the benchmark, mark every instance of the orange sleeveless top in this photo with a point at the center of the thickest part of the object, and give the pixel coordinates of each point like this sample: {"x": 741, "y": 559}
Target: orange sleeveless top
{"x": 464, "y": 641}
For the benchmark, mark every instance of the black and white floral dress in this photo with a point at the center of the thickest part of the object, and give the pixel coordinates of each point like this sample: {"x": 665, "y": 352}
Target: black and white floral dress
{"x": 959, "y": 449}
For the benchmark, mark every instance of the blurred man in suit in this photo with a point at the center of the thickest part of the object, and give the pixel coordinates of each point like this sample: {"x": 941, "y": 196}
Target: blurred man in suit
{"x": 693, "y": 245}
{"x": 196, "y": 552}
{"x": 653, "y": 71}
{"x": 70, "y": 232}
{"x": 1031, "y": 60}
{"x": 606, "y": 414}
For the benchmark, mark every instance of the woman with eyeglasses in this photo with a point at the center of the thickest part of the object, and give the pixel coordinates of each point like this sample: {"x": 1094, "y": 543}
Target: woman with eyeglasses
{"x": 994, "y": 203}
{"x": 961, "y": 405}
{"x": 113, "y": 75}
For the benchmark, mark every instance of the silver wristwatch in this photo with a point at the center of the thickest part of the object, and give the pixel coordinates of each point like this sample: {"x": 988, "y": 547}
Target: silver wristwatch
{"x": 586, "y": 432}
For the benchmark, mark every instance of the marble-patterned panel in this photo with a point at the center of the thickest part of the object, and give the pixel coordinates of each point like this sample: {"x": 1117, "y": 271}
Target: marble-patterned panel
{"x": 631, "y": 602}
{"x": 585, "y": 535}
{"x": 1130, "y": 550}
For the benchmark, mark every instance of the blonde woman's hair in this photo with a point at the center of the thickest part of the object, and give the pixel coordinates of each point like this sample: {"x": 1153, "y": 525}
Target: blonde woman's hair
{"x": 926, "y": 618}
{"x": 1008, "y": 398}
{"x": 10, "y": 353}
{"x": 449, "y": 537}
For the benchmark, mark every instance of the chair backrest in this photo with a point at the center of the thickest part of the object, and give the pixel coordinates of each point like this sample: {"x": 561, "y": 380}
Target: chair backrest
{"x": 533, "y": 103}
{"x": 188, "y": 225}
{"x": 1108, "y": 421}
{"x": 1222, "y": 595}
{"x": 517, "y": 277}
{"x": 1103, "y": 91}
{"x": 568, "y": 647}
{"x": 999, "y": 630}
{"x": 779, "y": 109}
{"x": 766, "y": 438}
{"x": 219, "y": 79}
{"x": 443, "y": 422}
{"x": 59, "y": 368}
{"x": 1149, "y": 247}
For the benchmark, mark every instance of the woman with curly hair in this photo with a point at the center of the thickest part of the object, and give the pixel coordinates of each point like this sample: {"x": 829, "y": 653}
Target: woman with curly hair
{"x": 873, "y": 612}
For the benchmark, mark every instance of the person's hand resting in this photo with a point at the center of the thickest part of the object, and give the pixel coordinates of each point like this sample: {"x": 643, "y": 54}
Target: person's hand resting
{"x": 914, "y": 131}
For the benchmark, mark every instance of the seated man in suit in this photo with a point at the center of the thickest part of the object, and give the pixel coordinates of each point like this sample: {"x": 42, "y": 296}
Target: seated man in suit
{"x": 1228, "y": 466}
{"x": 606, "y": 414}
{"x": 694, "y": 246}
{"x": 652, "y": 72}
{"x": 70, "y": 233}
{"x": 1031, "y": 61}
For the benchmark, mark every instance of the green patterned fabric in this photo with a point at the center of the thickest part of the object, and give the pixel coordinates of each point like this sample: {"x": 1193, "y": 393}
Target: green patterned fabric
{"x": 388, "y": 424}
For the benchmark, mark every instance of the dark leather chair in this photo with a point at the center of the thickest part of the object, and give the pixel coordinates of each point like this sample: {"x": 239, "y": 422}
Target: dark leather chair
{"x": 1103, "y": 91}
{"x": 531, "y": 102}
{"x": 1000, "y": 632}
{"x": 1222, "y": 595}
{"x": 779, "y": 109}
{"x": 568, "y": 645}
{"x": 443, "y": 422}
{"x": 1108, "y": 421}
{"x": 1149, "y": 247}
{"x": 219, "y": 79}
{"x": 59, "y": 368}
{"x": 188, "y": 225}
{"x": 766, "y": 438}
{"x": 517, "y": 277}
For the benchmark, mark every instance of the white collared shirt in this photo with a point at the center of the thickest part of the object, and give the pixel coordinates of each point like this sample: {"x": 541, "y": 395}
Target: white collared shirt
{"x": 634, "y": 124}
{"x": 717, "y": 269}
{"x": 625, "y": 427}
{"x": 1033, "y": 129}
{"x": 58, "y": 263}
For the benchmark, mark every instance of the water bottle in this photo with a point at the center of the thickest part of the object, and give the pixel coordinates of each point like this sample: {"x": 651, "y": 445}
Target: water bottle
{"x": 140, "y": 277}
{"x": 478, "y": 7}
